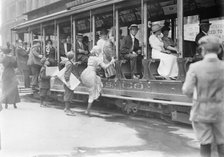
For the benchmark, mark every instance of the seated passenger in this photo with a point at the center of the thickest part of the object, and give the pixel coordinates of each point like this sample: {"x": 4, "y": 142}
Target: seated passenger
{"x": 168, "y": 67}
{"x": 82, "y": 54}
{"x": 130, "y": 49}
{"x": 168, "y": 42}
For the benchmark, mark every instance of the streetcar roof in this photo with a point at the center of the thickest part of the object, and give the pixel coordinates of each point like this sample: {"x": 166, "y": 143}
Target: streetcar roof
{"x": 130, "y": 11}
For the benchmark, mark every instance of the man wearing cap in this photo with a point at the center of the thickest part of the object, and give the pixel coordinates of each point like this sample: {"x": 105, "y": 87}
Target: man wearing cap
{"x": 22, "y": 57}
{"x": 130, "y": 49}
{"x": 35, "y": 56}
{"x": 82, "y": 55}
{"x": 204, "y": 83}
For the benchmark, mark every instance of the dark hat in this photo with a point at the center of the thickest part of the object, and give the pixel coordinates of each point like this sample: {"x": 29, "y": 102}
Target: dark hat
{"x": 104, "y": 31}
{"x": 133, "y": 26}
{"x": 156, "y": 28}
{"x": 165, "y": 28}
{"x": 204, "y": 22}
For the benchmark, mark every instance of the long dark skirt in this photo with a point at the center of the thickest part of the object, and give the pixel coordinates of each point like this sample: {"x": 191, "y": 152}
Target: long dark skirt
{"x": 10, "y": 93}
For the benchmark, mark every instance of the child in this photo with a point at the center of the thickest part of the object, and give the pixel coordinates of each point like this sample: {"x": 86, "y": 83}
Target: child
{"x": 68, "y": 95}
{"x": 44, "y": 82}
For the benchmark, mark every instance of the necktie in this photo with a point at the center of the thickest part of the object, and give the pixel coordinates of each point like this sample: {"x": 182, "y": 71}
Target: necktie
{"x": 133, "y": 44}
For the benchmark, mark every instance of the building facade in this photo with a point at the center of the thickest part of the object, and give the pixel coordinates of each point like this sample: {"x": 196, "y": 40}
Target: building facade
{"x": 15, "y": 12}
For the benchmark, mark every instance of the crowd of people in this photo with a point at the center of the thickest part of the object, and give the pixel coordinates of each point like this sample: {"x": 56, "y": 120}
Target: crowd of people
{"x": 204, "y": 80}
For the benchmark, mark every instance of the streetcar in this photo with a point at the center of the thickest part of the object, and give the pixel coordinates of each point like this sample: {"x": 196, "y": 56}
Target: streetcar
{"x": 151, "y": 93}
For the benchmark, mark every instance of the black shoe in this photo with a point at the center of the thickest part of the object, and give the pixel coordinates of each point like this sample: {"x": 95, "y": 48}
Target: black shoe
{"x": 15, "y": 106}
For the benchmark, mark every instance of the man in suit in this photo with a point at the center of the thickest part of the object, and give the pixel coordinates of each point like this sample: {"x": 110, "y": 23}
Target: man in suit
{"x": 35, "y": 56}
{"x": 130, "y": 49}
{"x": 204, "y": 83}
{"x": 22, "y": 57}
{"x": 204, "y": 28}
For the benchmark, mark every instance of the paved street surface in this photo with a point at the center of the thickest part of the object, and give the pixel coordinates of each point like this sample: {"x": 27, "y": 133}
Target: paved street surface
{"x": 32, "y": 131}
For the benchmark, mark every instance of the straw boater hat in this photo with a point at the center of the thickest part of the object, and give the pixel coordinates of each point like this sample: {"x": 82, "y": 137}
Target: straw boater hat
{"x": 79, "y": 35}
{"x": 156, "y": 28}
{"x": 133, "y": 26}
{"x": 70, "y": 55}
{"x": 204, "y": 22}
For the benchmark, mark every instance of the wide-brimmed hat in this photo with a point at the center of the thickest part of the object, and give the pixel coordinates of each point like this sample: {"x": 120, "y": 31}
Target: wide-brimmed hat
{"x": 204, "y": 22}
{"x": 133, "y": 26}
{"x": 156, "y": 27}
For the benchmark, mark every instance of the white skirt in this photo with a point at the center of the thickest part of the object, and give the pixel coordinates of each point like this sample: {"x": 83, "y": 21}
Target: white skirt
{"x": 168, "y": 64}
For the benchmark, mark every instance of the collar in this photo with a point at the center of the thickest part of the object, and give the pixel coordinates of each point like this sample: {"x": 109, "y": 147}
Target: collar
{"x": 132, "y": 36}
{"x": 210, "y": 56}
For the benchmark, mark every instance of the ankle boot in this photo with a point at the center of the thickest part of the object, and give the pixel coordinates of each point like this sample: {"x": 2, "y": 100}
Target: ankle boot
{"x": 220, "y": 148}
{"x": 206, "y": 150}
{"x": 14, "y": 105}
{"x": 88, "y": 108}
{"x": 67, "y": 106}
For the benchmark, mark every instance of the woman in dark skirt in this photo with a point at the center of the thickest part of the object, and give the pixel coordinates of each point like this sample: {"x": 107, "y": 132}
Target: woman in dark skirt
{"x": 10, "y": 93}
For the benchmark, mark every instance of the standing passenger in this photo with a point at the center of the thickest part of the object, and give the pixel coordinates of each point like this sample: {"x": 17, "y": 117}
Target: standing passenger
{"x": 89, "y": 77}
{"x": 205, "y": 85}
{"x": 10, "y": 93}
{"x": 35, "y": 56}
{"x": 51, "y": 53}
{"x": 204, "y": 28}
{"x": 82, "y": 54}
{"x": 22, "y": 57}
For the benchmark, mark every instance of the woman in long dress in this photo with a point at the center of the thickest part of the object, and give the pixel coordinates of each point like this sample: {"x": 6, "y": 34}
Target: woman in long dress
{"x": 89, "y": 77}
{"x": 168, "y": 67}
{"x": 10, "y": 93}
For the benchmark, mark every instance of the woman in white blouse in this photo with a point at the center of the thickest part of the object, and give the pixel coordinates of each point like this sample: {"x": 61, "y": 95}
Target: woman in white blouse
{"x": 168, "y": 67}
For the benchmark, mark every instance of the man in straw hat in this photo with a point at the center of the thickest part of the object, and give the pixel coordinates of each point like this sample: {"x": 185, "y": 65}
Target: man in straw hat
{"x": 205, "y": 85}
{"x": 130, "y": 49}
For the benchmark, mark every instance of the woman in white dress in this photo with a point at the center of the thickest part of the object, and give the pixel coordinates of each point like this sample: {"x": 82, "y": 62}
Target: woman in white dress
{"x": 168, "y": 67}
{"x": 89, "y": 77}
